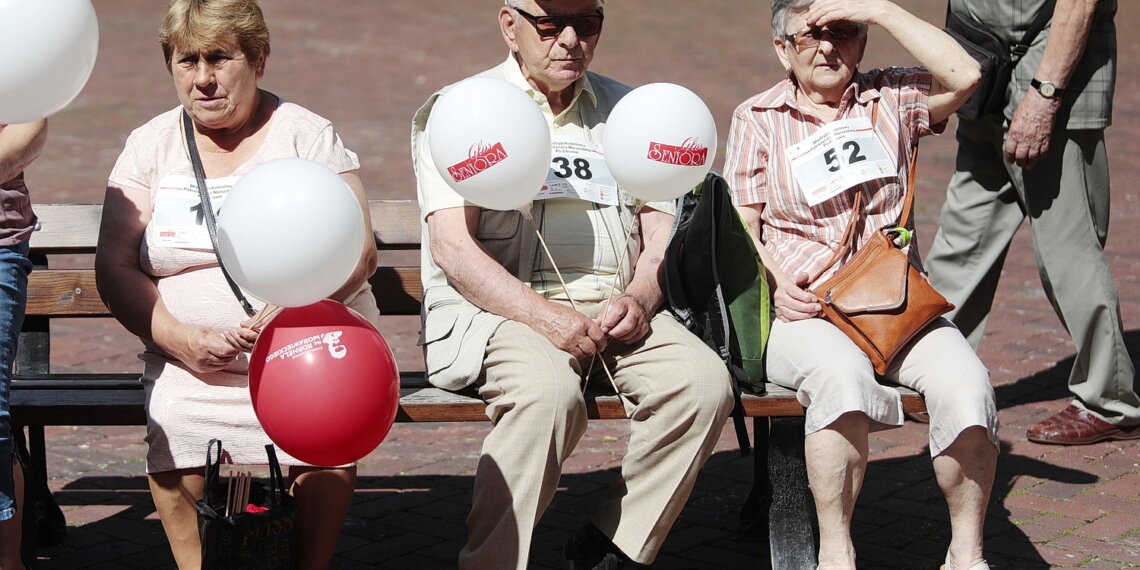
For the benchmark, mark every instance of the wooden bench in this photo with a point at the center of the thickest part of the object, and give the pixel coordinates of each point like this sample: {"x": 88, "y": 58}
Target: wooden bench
{"x": 41, "y": 397}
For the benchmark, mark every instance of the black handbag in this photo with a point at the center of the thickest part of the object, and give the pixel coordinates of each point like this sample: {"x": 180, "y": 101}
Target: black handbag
{"x": 996, "y": 57}
{"x": 261, "y": 535}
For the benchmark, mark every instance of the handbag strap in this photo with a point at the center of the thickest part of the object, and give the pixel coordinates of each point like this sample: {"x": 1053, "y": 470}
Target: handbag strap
{"x": 857, "y": 207}
{"x": 1019, "y": 49}
{"x": 1043, "y": 17}
{"x": 208, "y": 209}
{"x": 276, "y": 480}
{"x": 212, "y": 465}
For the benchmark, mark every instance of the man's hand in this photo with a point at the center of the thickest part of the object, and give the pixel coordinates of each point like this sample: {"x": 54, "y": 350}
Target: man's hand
{"x": 1030, "y": 130}
{"x": 624, "y": 319}
{"x": 570, "y": 331}
{"x": 792, "y": 302}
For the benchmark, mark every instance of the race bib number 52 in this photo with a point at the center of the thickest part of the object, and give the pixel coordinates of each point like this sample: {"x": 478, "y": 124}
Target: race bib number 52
{"x": 838, "y": 156}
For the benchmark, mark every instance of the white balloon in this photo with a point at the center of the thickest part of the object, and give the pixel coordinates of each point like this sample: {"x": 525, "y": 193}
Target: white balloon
{"x": 490, "y": 143}
{"x": 290, "y": 232}
{"x": 49, "y": 50}
{"x": 660, "y": 141}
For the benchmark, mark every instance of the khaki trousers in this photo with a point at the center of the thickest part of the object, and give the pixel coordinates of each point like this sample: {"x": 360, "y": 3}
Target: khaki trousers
{"x": 1065, "y": 197}
{"x": 677, "y": 394}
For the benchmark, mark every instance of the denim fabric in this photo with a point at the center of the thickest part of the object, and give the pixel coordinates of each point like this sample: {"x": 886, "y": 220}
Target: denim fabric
{"x": 14, "y": 270}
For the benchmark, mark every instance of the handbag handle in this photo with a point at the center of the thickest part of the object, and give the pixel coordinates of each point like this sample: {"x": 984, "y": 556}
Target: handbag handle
{"x": 208, "y": 209}
{"x": 212, "y": 465}
{"x": 276, "y": 480}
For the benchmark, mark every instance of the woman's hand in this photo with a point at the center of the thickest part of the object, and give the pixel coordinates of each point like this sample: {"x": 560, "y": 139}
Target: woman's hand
{"x": 793, "y": 303}
{"x": 824, "y": 12}
{"x": 201, "y": 348}
{"x": 241, "y": 337}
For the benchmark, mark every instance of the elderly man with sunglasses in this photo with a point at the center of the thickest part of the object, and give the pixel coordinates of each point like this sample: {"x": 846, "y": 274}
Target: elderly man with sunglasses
{"x": 799, "y": 205}
{"x": 501, "y": 319}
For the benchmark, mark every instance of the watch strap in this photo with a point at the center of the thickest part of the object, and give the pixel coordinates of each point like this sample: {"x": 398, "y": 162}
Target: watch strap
{"x": 1057, "y": 91}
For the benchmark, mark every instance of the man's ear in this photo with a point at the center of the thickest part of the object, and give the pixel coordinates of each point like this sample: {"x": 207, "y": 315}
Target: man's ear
{"x": 507, "y": 27}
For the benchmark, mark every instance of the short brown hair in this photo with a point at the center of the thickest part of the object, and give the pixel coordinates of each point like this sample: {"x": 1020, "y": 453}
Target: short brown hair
{"x": 203, "y": 24}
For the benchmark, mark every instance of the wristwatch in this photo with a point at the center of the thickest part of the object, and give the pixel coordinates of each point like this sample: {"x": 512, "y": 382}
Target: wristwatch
{"x": 1046, "y": 88}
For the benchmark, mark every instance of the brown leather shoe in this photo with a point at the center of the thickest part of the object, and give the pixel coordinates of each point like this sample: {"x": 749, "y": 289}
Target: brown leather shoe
{"x": 1074, "y": 426}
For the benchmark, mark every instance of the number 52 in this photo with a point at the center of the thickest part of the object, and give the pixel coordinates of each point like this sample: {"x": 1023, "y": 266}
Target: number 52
{"x": 834, "y": 162}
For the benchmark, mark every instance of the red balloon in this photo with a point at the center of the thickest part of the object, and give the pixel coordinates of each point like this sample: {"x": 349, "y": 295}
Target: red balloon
{"x": 324, "y": 383}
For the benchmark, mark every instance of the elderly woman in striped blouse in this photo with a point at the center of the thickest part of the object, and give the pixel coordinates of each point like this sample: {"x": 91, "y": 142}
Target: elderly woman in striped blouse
{"x": 798, "y": 197}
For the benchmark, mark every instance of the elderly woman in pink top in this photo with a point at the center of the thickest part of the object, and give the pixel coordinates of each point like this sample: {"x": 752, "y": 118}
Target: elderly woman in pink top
{"x": 798, "y": 203}
{"x": 158, "y": 272}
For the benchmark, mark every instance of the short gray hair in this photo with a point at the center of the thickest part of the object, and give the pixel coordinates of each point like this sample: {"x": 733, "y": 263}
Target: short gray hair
{"x": 780, "y": 11}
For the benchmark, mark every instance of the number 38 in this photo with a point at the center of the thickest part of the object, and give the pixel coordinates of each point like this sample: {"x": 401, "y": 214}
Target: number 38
{"x": 581, "y": 168}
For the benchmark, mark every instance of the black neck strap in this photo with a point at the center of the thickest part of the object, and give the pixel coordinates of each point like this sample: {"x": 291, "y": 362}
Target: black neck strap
{"x": 208, "y": 209}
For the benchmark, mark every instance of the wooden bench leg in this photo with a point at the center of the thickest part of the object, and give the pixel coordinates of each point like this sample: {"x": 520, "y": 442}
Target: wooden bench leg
{"x": 43, "y": 522}
{"x": 792, "y": 527}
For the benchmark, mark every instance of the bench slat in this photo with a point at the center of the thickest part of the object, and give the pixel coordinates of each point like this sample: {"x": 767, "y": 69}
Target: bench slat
{"x": 72, "y": 292}
{"x": 117, "y": 399}
{"x": 64, "y": 293}
{"x": 395, "y": 223}
{"x": 74, "y": 228}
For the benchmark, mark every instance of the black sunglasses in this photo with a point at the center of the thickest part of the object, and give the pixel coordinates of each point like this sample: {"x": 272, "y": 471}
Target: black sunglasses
{"x": 552, "y": 26}
{"x": 837, "y": 33}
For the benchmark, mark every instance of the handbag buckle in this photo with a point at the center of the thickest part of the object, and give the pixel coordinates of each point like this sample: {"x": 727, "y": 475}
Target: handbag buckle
{"x": 900, "y": 236}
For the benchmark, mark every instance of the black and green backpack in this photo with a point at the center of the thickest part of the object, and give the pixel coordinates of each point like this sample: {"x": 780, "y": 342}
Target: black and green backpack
{"x": 716, "y": 286}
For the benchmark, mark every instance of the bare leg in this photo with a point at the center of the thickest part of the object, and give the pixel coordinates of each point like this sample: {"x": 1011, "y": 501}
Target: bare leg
{"x": 174, "y": 493}
{"x": 836, "y": 463}
{"x": 323, "y": 497}
{"x": 965, "y": 472}
{"x": 10, "y": 530}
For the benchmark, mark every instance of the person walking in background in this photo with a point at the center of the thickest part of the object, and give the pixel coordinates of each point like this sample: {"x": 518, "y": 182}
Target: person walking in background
{"x": 19, "y": 146}
{"x": 1044, "y": 159}
{"x": 497, "y": 317}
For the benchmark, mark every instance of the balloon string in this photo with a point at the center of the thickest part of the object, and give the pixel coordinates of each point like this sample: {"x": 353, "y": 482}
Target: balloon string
{"x": 585, "y": 372}
{"x": 613, "y": 284}
{"x": 263, "y": 316}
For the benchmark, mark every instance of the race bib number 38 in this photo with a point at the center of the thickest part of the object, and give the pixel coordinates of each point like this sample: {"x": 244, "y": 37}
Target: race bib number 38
{"x": 578, "y": 170}
{"x": 178, "y": 219}
{"x": 838, "y": 156}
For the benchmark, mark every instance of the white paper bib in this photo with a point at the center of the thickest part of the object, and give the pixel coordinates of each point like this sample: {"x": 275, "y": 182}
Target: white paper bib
{"x": 178, "y": 220}
{"x": 578, "y": 170}
{"x": 838, "y": 156}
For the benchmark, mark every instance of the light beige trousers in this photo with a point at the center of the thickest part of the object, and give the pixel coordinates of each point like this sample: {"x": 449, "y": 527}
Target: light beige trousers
{"x": 832, "y": 377}
{"x": 677, "y": 395}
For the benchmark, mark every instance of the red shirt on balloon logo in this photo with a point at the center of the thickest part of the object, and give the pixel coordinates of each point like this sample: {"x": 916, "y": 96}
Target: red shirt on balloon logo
{"x": 480, "y": 158}
{"x": 689, "y": 153}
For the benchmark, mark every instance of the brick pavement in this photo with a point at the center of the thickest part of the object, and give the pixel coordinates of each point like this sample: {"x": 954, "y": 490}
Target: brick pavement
{"x": 1052, "y": 506}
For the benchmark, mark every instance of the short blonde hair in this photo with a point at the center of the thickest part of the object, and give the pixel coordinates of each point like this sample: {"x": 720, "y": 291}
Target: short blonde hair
{"x": 204, "y": 24}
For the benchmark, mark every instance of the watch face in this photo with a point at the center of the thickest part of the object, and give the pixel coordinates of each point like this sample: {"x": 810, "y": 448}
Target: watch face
{"x": 1047, "y": 89}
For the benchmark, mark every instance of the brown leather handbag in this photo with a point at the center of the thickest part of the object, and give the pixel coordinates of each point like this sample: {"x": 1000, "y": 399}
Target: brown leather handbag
{"x": 878, "y": 298}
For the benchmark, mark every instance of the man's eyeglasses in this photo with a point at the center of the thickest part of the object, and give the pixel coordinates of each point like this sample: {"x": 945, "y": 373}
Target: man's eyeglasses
{"x": 838, "y": 32}
{"x": 552, "y": 26}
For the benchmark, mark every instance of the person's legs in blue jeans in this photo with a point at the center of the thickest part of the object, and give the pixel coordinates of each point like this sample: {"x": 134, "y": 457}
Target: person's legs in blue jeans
{"x": 14, "y": 269}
